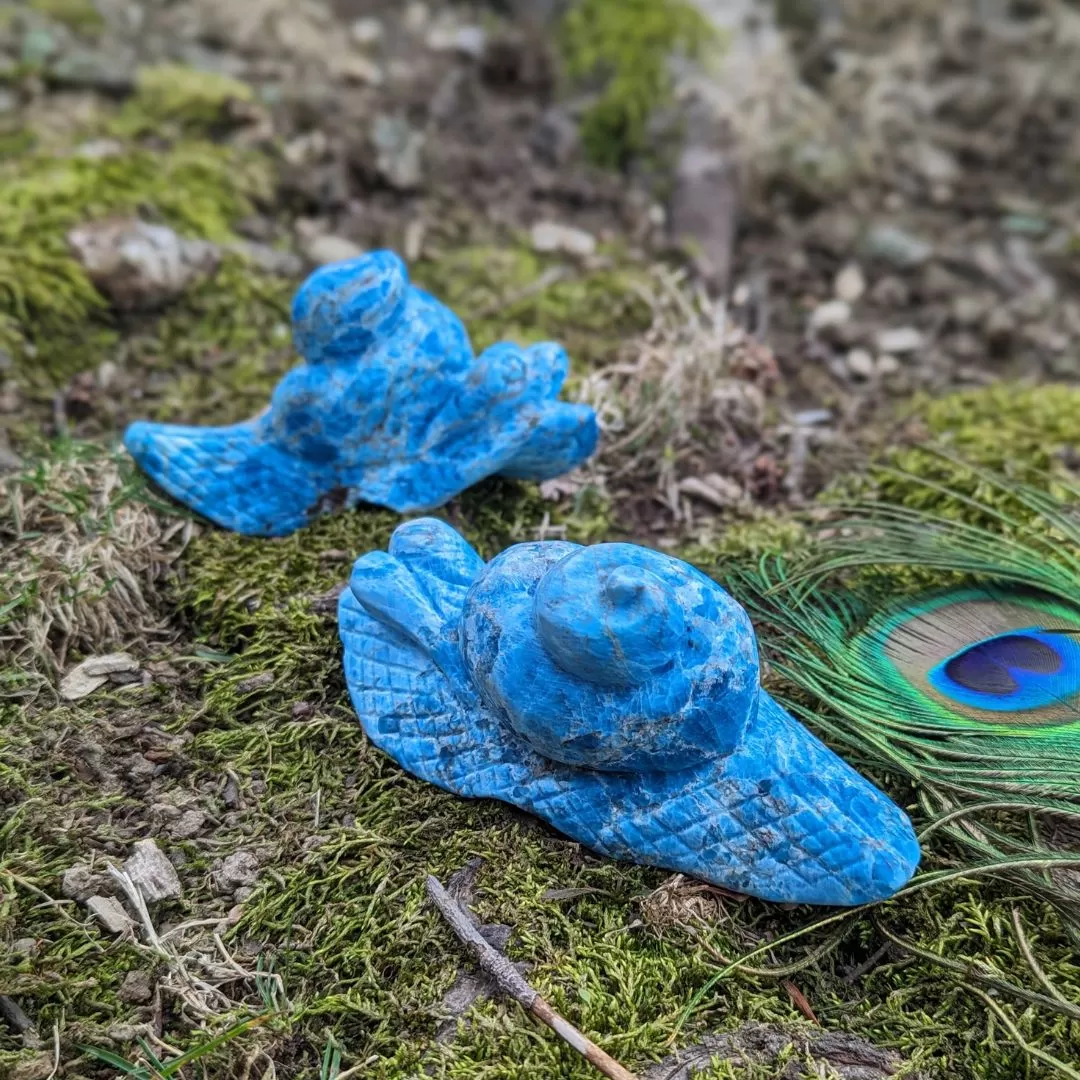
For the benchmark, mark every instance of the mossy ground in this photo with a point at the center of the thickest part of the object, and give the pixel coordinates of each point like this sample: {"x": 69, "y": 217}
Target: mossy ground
{"x": 246, "y": 718}
{"x": 624, "y": 46}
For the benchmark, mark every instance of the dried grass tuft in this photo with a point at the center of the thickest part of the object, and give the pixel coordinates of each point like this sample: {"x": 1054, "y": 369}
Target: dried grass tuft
{"x": 683, "y": 406}
{"x": 84, "y": 559}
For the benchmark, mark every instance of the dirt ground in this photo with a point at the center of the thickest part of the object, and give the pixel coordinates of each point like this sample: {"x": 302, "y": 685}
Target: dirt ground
{"x": 779, "y": 240}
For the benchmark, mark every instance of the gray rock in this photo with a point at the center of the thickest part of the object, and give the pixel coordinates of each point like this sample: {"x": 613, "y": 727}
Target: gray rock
{"x": 827, "y": 316}
{"x": 237, "y": 871}
{"x": 37, "y": 46}
{"x": 399, "y": 151}
{"x": 155, "y": 876}
{"x": 850, "y": 283}
{"x": 355, "y": 68}
{"x": 80, "y": 883}
{"x": 93, "y": 673}
{"x": 136, "y": 989}
{"x": 98, "y": 149}
{"x": 141, "y": 267}
{"x": 326, "y": 249}
{"x": 189, "y": 824}
{"x": 860, "y": 363}
{"x": 366, "y": 31}
{"x": 8, "y": 101}
{"x": 549, "y": 237}
{"x": 896, "y": 246}
{"x": 87, "y": 69}
{"x": 110, "y": 914}
{"x": 902, "y": 339}
{"x": 465, "y": 40}
{"x": 556, "y": 138}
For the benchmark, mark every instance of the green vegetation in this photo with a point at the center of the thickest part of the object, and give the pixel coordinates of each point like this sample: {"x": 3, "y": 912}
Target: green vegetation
{"x": 243, "y": 715}
{"x": 46, "y": 298}
{"x": 511, "y": 293}
{"x": 79, "y": 15}
{"x": 174, "y": 95}
{"x": 344, "y": 840}
{"x": 1025, "y": 433}
{"x": 626, "y": 46}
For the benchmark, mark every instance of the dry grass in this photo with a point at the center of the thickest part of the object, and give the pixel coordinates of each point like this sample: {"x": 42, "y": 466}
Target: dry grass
{"x": 682, "y": 406}
{"x": 84, "y": 556}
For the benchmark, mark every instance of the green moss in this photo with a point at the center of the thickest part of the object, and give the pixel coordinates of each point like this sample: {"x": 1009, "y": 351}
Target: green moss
{"x": 627, "y": 44}
{"x": 198, "y": 188}
{"x": 174, "y": 95}
{"x": 346, "y": 839}
{"x": 82, "y": 16}
{"x": 1023, "y": 433}
{"x": 511, "y": 293}
{"x": 218, "y": 353}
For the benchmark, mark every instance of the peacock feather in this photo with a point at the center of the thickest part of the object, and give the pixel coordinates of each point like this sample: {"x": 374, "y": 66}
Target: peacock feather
{"x": 938, "y": 639}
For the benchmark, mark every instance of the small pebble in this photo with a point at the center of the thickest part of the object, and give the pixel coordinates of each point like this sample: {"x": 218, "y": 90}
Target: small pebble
{"x": 887, "y": 365}
{"x": 812, "y": 417}
{"x": 416, "y": 16}
{"x": 236, "y": 871}
{"x": 354, "y": 68}
{"x": 190, "y": 824}
{"x": 896, "y": 246}
{"x": 830, "y": 314}
{"x": 860, "y": 363}
{"x": 366, "y": 31}
{"x": 466, "y": 40}
{"x": 141, "y": 266}
{"x": 967, "y": 310}
{"x": 152, "y": 872}
{"x": 902, "y": 339}
{"x": 850, "y": 284}
{"x": 110, "y": 914}
{"x": 326, "y": 249}
{"x": 136, "y": 988}
{"x": 550, "y": 237}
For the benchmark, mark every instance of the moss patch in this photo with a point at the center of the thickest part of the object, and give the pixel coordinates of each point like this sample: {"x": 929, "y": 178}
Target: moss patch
{"x": 82, "y": 16}
{"x": 174, "y": 95}
{"x": 626, "y": 45}
{"x": 249, "y": 722}
{"x": 510, "y": 293}
{"x": 1026, "y": 434}
{"x": 197, "y": 188}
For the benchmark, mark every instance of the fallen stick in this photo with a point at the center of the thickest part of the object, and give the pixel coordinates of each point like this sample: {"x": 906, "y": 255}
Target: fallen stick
{"x": 510, "y": 982}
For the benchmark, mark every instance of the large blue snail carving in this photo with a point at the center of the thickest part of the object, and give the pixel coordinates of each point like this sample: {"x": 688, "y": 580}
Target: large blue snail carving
{"x": 613, "y": 691}
{"x": 391, "y": 407}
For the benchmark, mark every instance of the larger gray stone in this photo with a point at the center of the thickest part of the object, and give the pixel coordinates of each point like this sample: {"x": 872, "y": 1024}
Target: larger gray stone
{"x": 151, "y": 870}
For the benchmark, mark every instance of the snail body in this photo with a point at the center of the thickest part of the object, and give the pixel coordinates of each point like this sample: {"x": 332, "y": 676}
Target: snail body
{"x": 390, "y": 406}
{"x": 614, "y": 691}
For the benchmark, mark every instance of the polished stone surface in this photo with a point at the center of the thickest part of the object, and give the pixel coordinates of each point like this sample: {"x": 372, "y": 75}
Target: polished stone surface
{"x": 390, "y": 407}
{"x": 614, "y": 692}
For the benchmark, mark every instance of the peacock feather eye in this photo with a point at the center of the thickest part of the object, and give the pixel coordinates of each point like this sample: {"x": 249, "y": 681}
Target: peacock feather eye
{"x": 975, "y": 656}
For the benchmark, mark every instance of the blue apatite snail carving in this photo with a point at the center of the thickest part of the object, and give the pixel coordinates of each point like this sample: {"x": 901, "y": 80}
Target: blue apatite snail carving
{"x": 614, "y": 692}
{"x": 391, "y": 407}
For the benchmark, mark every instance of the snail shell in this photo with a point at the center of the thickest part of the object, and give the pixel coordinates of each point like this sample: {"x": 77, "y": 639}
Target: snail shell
{"x": 612, "y": 657}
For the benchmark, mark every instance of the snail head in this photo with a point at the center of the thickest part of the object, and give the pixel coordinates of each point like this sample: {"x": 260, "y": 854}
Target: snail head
{"x": 342, "y": 309}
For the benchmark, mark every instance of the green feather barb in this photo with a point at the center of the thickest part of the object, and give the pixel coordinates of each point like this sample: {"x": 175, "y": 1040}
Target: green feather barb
{"x": 945, "y": 649}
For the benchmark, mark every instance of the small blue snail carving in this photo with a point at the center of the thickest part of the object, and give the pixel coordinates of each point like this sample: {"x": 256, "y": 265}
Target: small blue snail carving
{"x": 613, "y": 691}
{"x": 391, "y": 407}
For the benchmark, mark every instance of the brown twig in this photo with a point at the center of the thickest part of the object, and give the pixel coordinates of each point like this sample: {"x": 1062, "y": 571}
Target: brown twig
{"x": 511, "y": 983}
